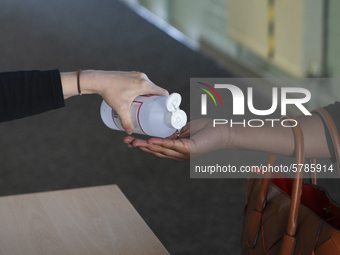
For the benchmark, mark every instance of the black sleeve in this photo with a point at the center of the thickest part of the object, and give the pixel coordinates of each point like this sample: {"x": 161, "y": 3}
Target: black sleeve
{"x": 334, "y": 111}
{"x": 27, "y": 93}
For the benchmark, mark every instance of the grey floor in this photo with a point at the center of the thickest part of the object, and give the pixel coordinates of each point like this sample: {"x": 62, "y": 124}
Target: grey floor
{"x": 71, "y": 147}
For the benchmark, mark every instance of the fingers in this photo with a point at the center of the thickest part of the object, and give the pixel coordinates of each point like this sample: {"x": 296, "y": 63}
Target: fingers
{"x": 128, "y": 141}
{"x": 155, "y": 90}
{"x": 126, "y": 120}
{"x": 163, "y": 92}
{"x": 173, "y": 136}
{"x": 139, "y": 142}
{"x": 163, "y": 148}
{"x": 185, "y": 132}
{"x": 176, "y": 145}
{"x": 161, "y": 152}
{"x": 132, "y": 142}
{"x": 126, "y": 87}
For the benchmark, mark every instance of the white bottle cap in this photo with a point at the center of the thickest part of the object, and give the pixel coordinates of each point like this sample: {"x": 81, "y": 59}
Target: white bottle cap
{"x": 173, "y": 102}
{"x": 176, "y": 119}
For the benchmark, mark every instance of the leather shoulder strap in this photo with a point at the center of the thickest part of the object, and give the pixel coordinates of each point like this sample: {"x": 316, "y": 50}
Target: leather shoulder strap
{"x": 327, "y": 118}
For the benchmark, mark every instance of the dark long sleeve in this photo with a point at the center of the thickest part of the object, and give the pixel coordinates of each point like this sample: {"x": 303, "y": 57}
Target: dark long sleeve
{"x": 334, "y": 111}
{"x": 27, "y": 93}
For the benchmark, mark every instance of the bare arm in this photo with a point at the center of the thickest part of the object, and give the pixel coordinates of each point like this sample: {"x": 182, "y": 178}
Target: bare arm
{"x": 200, "y": 137}
{"x": 280, "y": 140}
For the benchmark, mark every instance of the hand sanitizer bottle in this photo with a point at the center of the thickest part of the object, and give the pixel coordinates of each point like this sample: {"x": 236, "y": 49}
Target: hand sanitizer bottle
{"x": 151, "y": 115}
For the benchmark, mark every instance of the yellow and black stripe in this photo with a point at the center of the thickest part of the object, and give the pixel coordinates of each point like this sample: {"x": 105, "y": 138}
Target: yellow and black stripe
{"x": 271, "y": 29}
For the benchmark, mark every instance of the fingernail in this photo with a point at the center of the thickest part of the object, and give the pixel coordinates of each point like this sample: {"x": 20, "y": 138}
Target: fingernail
{"x": 129, "y": 131}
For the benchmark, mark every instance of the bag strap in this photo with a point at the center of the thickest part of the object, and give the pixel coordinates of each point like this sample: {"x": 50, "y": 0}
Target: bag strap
{"x": 328, "y": 120}
{"x": 289, "y": 240}
{"x": 330, "y": 125}
{"x": 256, "y": 216}
{"x": 312, "y": 161}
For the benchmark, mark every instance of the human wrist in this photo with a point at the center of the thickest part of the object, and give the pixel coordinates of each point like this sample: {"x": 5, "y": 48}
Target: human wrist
{"x": 228, "y": 135}
{"x": 69, "y": 83}
{"x": 88, "y": 82}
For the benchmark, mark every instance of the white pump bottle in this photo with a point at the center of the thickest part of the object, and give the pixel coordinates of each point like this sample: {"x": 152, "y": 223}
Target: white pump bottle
{"x": 151, "y": 115}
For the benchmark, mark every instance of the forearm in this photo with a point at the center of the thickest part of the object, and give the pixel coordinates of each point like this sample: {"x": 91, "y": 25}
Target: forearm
{"x": 280, "y": 140}
{"x": 26, "y": 93}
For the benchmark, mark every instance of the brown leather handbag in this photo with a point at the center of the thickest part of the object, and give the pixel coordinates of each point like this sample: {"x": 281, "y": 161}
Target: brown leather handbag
{"x": 285, "y": 216}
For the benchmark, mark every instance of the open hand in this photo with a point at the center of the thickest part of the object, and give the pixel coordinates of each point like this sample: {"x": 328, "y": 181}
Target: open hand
{"x": 195, "y": 139}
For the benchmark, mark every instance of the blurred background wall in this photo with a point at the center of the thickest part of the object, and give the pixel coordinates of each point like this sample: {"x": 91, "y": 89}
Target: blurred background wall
{"x": 262, "y": 38}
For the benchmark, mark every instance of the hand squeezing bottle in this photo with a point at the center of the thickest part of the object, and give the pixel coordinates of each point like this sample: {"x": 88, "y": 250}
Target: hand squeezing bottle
{"x": 151, "y": 115}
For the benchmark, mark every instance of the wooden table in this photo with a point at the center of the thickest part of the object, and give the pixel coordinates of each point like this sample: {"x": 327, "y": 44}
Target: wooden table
{"x": 96, "y": 220}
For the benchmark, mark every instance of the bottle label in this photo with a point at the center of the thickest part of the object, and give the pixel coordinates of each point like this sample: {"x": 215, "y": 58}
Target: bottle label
{"x": 134, "y": 112}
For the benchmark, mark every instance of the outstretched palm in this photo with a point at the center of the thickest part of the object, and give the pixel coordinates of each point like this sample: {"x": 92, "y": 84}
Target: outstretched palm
{"x": 196, "y": 138}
